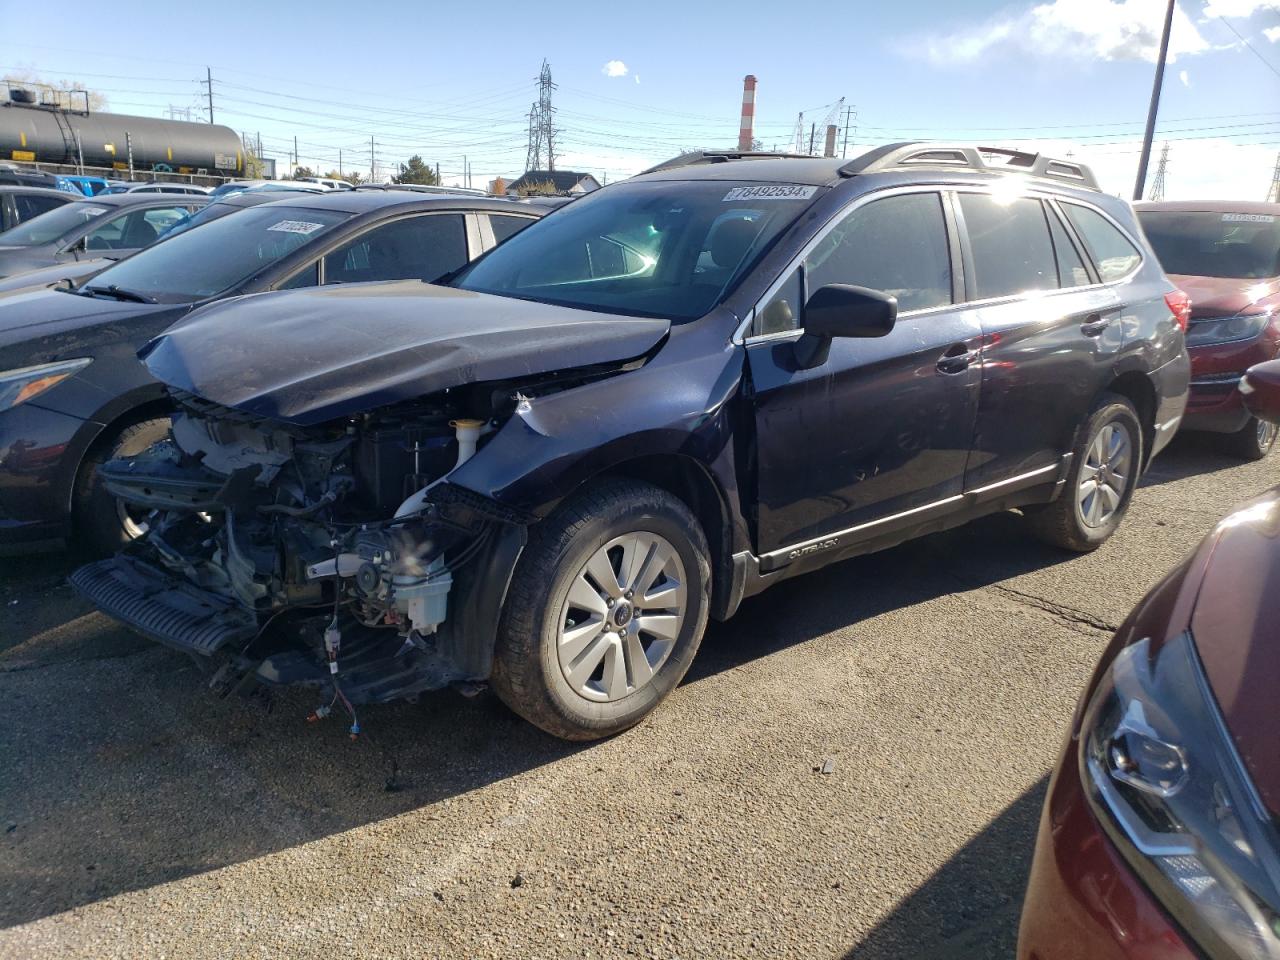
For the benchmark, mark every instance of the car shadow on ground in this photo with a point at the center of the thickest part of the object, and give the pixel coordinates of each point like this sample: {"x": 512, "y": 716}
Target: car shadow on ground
{"x": 971, "y": 906}
{"x": 1190, "y": 455}
{"x": 116, "y": 753}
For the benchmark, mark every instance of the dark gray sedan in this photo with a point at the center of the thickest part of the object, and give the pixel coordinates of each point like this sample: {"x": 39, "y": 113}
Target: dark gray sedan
{"x": 93, "y": 228}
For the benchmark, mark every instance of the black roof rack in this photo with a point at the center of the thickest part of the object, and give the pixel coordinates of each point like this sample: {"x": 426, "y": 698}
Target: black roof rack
{"x": 964, "y": 156}
{"x": 722, "y": 156}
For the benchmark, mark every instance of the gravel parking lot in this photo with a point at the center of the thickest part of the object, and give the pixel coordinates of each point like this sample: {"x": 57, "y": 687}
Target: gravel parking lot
{"x": 144, "y": 817}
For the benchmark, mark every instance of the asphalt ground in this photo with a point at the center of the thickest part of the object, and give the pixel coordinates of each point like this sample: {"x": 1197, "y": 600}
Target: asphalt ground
{"x": 143, "y": 817}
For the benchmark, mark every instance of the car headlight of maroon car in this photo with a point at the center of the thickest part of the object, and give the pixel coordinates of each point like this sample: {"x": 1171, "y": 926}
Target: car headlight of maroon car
{"x": 1165, "y": 779}
{"x": 1243, "y": 326}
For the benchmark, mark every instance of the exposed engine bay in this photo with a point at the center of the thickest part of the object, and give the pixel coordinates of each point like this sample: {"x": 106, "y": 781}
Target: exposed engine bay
{"x": 331, "y": 555}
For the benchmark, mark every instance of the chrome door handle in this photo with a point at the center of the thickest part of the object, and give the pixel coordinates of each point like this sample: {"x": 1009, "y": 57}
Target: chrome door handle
{"x": 957, "y": 362}
{"x": 1095, "y": 324}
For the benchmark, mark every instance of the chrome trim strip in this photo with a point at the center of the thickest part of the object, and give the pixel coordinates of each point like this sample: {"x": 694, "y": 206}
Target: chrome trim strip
{"x": 1012, "y": 480}
{"x": 1227, "y": 380}
{"x": 803, "y": 547}
{"x": 830, "y": 540}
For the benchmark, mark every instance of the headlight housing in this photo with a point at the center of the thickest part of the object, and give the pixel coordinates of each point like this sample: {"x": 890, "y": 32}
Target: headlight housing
{"x": 20, "y": 385}
{"x": 1164, "y": 778}
{"x": 1244, "y": 326}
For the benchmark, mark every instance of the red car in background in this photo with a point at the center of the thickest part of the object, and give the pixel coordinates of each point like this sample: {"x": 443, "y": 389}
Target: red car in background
{"x": 1226, "y": 257}
{"x": 1159, "y": 834}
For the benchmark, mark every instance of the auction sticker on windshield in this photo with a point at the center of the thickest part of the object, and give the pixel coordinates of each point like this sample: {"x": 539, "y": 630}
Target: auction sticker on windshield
{"x": 93, "y": 211}
{"x": 1248, "y": 218}
{"x": 295, "y": 226}
{"x": 772, "y": 191}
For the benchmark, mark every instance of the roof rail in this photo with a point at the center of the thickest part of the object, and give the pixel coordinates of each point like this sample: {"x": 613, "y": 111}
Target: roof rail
{"x": 722, "y": 156}
{"x": 965, "y": 156}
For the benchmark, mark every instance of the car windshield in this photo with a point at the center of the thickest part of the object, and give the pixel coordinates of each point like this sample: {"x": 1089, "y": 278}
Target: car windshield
{"x": 1243, "y": 246}
{"x": 669, "y": 249}
{"x": 209, "y": 261}
{"x": 214, "y": 211}
{"x": 53, "y": 225}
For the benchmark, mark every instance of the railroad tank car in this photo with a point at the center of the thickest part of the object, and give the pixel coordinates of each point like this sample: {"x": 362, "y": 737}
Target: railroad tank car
{"x": 43, "y": 133}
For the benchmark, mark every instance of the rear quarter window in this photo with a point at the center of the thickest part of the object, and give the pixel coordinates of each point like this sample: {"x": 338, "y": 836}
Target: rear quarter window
{"x": 1112, "y": 252}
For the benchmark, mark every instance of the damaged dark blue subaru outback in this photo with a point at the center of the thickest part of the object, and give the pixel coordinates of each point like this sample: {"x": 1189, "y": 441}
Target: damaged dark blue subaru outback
{"x": 549, "y": 472}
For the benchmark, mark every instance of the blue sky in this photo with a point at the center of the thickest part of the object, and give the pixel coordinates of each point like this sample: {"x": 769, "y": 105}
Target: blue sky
{"x": 1061, "y": 75}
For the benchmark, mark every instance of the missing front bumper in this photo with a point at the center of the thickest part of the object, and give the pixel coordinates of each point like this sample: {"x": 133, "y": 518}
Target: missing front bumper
{"x": 163, "y": 607}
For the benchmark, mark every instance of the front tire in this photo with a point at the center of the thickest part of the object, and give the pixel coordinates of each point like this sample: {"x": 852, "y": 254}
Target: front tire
{"x": 1253, "y": 441}
{"x": 606, "y": 610}
{"x": 1104, "y": 472}
{"x": 103, "y": 524}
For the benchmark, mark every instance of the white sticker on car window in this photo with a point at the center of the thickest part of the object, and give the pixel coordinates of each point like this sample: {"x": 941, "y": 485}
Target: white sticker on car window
{"x": 771, "y": 191}
{"x": 295, "y": 226}
{"x": 93, "y": 211}
{"x": 1248, "y": 218}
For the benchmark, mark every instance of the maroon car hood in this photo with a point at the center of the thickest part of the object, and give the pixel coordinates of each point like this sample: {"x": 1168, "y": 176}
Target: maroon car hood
{"x": 1213, "y": 297}
{"x": 1236, "y": 626}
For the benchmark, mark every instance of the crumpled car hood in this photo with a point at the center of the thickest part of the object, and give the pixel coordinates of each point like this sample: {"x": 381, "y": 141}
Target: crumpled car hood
{"x": 309, "y": 356}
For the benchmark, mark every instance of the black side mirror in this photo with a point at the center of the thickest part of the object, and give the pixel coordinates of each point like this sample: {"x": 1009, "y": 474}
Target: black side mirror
{"x": 842, "y": 310}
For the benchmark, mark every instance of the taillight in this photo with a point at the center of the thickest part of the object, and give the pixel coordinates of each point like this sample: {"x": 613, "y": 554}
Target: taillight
{"x": 1180, "y": 305}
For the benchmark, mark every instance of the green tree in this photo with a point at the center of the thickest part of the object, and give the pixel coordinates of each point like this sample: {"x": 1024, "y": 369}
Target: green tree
{"x": 300, "y": 172}
{"x": 415, "y": 171}
{"x": 352, "y": 178}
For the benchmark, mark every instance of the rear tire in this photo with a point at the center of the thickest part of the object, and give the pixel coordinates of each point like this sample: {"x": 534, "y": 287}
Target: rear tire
{"x": 1104, "y": 471}
{"x": 1253, "y": 441}
{"x": 102, "y": 524}
{"x": 606, "y": 610}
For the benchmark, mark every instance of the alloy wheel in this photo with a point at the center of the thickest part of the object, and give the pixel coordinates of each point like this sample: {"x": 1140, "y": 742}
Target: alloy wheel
{"x": 1266, "y": 435}
{"x": 1105, "y": 475}
{"x": 622, "y": 616}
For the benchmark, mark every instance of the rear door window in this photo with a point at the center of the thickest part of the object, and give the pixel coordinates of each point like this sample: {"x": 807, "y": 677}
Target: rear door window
{"x": 897, "y": 245}
{"x": 416, "y": 248}
{"x": 1111, "y": 250}
{"x": 1009, "y": 239}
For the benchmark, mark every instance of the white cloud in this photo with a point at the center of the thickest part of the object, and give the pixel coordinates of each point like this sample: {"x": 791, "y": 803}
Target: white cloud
{"x": 1185, "y": 78}
{"x": 1272, "y": 34}
{"x": 614, "y": 68}
{"x": 1084, "y": 29}
{"x": 1238, "y": 8}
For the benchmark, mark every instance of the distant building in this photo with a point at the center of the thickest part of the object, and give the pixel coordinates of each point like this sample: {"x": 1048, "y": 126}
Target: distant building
{"x": 562, "y": 183}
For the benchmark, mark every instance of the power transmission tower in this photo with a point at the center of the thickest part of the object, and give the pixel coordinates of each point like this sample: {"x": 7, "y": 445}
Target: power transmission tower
{"x": 208, "y": 84}
{"x": 1273, "y": 195}
{"x": 1157, "y": 186}
{"x": 542, "y": 129}
{"x": 799, "y": 134}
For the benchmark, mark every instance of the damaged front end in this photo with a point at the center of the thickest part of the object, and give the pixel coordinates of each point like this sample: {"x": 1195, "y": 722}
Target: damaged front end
{"x": 335, "y": 556}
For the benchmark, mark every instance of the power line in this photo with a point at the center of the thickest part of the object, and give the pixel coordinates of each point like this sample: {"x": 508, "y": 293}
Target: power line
{"x": 1249, "y": 46}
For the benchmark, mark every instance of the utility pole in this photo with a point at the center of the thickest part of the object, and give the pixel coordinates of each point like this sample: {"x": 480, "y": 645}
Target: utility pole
{"x": 373, "y": 162}
{"x": 1157, "y": 185}
{"x": 438, "y": 173}
{"x": 466, "y": 178}
{"x": 813, "y": 129}
{"x": 340, "y": 161}
{"x": 208, "y": 84}
{"x": 1140, "y": 184}
{"x": 297, "y": 161}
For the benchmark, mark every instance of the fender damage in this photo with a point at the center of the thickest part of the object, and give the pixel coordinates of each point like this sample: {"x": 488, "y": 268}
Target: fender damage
{"x": 370, "y": 552}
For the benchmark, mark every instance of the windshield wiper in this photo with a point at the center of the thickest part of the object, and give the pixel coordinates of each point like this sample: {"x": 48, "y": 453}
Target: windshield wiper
{"x": 120, "y": 293}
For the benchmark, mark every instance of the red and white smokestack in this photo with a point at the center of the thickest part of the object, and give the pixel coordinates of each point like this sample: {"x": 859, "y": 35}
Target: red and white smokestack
{"x": 746, "y": 133}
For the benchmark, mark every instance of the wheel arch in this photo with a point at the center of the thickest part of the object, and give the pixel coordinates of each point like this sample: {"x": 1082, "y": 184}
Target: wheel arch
{"x": 1136, "y": 387}
{"x": 692, "y": 483}
{"x": 108, "y": 423}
